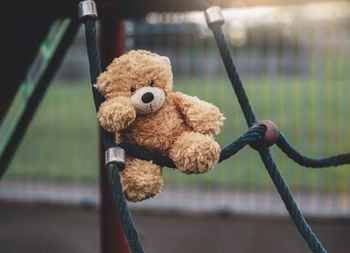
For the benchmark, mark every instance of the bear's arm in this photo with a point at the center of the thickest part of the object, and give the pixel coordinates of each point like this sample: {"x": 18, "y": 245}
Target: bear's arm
{"x": 116, "y": 114}
{"x": 201, "y": 116}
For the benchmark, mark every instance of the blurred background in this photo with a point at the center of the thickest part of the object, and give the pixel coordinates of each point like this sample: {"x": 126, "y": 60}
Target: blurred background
{"x": 294, "y": 62}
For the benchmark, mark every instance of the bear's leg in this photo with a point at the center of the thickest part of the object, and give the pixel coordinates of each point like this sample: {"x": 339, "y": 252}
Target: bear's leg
{"x": 140, "y": 179}
{"x": 194, "y": 152}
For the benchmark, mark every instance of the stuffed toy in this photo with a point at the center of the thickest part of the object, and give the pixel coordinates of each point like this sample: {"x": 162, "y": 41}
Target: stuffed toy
{"x": 141, "y": 108}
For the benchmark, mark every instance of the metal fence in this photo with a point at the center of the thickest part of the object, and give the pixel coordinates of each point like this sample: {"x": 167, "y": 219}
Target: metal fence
{"x": 294, "y": 62}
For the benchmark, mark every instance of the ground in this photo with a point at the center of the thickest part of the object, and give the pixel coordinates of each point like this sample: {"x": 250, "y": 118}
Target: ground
{"x": 73, "y": 229}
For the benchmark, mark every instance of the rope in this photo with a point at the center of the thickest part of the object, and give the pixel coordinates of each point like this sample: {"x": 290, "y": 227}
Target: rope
{"x": 293, "y": 154}
{"x": 296, "y": 215}
{"x": 122, "y": 209}
{"x": 252, "y": 135}
{"x": 287, "y": 197}
{"x": 108, "y": 141}
{"x": 95, "y": 71}
{"x": 142, "y": 153}
{"x": 248, "y": 137}
{"x": 236, "y": 82}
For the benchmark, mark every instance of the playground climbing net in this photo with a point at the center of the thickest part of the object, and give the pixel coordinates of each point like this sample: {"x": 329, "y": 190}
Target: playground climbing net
{"x": 260, "y": 135}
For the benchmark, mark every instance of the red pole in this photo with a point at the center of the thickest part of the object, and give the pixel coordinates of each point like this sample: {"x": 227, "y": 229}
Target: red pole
{"x": 111, "y": 45}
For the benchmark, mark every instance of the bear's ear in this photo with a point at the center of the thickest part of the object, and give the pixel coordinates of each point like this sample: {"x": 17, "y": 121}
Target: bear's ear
{"x": 101, "y": 87}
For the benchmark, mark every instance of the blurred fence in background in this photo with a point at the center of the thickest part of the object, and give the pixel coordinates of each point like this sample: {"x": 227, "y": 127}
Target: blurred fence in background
{"x": 294, "y": 62}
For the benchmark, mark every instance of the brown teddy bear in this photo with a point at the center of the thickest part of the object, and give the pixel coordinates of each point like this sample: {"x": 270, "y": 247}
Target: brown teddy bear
{"x": 141, "y": 108}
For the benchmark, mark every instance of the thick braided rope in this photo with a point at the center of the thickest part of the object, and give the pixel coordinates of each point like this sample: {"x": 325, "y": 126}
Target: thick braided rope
{"x": 94, "y": 58}
{"x": 233, "y": 76}
{"x": 296, "y": 215}
{"x": 286, "y": 196}
{"x": 108, "y": 141}
{"x": 142, "y": 153}
{"x": 122, "y": 210}
{"x": 95, "y": 71}
{"x": 252, "y": 135}
{"x": 293, "y": 154}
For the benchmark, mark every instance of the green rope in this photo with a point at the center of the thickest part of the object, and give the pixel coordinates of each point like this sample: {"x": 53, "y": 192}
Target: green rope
{"x": 108, "y": 140}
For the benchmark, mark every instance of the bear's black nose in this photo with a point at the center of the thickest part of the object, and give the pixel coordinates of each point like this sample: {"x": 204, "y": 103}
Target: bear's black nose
{"x": 147, "y": 97}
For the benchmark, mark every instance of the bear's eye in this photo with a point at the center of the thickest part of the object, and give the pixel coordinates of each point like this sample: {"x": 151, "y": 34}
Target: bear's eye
{"x": 132, "y": 89}
{"x": 151, "y": 83}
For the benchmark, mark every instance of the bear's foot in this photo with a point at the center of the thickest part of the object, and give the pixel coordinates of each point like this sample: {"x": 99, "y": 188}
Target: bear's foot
{"x": 195, "y": 153}
{"x": 141, "y": 179}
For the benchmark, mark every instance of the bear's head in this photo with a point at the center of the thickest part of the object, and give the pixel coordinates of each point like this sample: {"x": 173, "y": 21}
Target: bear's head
{"x": 143, "y": 76}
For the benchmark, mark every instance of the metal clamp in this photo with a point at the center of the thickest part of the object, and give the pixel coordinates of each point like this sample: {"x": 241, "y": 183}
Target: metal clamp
{"x": 115, "y": 155}
{"x": 213, "y": 16}
{"x": 86, "y": 9}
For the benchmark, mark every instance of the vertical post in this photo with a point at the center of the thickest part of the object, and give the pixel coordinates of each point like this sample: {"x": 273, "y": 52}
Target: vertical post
{"x": 111, "y": 43}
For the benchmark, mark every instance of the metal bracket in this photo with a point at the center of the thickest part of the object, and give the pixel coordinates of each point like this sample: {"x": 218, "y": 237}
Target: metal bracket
{"x": 115, "y": 155}
{"x": 213, "y": 16}
{"x": 33, "y": 88}
{"x": 86, "y": 9}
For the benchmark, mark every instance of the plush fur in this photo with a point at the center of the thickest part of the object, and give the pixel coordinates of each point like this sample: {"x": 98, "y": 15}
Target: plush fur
{"x": 170, "y": 123}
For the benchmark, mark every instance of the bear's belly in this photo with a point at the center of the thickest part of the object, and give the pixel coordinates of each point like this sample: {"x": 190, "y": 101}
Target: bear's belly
{"x": 156, "y": 132}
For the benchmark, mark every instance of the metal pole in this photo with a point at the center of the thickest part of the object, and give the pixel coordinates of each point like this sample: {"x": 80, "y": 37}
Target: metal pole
{"x": 111, "y": 43}
{"x": 9, "y": 146}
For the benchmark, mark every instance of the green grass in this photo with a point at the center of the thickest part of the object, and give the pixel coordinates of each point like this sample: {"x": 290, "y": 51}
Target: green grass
{"x": 61, "y": 143}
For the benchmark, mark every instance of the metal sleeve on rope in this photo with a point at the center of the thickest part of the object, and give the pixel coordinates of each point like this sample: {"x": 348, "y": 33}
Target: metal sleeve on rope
{"x": 87, "y": 9}
{"x": 115, "y": 155}
{"x": 213, "y": 16}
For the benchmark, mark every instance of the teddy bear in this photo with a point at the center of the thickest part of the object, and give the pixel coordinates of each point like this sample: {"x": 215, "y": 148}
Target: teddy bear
{"x": 140, "y": 108}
